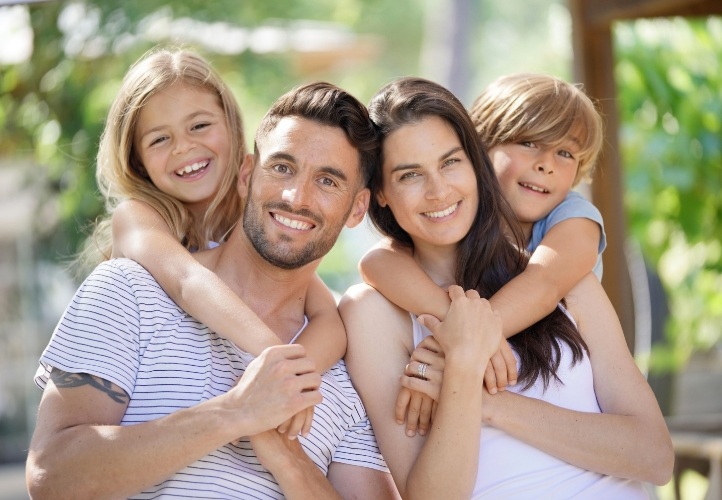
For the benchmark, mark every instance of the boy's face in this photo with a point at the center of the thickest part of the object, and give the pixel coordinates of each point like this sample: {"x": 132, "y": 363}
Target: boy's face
{"x": 534, "y": 179}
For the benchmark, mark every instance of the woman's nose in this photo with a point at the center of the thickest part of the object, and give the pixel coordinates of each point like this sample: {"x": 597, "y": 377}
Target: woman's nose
{"x": 437, "y": 187}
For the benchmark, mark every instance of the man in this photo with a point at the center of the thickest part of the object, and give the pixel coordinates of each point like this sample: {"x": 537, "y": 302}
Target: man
{"x": 140, "y": 397}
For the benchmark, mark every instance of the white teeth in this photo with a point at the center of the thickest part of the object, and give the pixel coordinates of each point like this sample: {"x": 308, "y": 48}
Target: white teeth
{"x": 192, "y": 168}
{"x": 443, "y": 213}
{"x": 293, "y": 224}
{"x": 534, "y": 188}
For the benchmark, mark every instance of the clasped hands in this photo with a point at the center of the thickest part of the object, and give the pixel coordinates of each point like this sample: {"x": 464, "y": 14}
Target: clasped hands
{"x": 418, "y": 397}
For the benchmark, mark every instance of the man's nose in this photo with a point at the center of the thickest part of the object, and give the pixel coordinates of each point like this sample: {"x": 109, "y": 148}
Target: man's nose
{"x": 298, "y": 194}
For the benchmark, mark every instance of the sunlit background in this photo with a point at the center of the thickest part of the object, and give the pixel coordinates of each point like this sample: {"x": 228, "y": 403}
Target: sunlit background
{"x": 62, "y": 62}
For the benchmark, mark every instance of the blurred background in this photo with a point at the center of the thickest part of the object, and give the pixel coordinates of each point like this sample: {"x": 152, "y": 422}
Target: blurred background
{"x": 61, "y": 63}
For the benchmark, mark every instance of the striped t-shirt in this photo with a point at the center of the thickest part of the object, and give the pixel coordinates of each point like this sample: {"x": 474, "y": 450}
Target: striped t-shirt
{"x": 122, "y": 327}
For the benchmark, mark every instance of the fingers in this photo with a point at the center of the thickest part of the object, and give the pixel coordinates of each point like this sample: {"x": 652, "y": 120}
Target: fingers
{"x": 425, "y": 414}
{"x": 490, "y": 379}
{"x": 300, "y": 423}
{"x": 402, "y": 404}
{"x": 499, "y": 366}
{"x": 509, "y": 361}
{"x": 412, "y": 416}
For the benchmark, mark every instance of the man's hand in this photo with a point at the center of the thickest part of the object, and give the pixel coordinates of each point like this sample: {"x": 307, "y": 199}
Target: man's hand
{"x": 278, "y": 384}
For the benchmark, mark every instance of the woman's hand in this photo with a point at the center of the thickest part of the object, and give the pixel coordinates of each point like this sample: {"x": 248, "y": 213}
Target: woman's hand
{"x": 417, "y": 398}
{"x": 459, "y": 334}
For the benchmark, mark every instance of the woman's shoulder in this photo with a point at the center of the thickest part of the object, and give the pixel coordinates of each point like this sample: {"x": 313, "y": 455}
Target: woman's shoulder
{"x": 364, "y": 303}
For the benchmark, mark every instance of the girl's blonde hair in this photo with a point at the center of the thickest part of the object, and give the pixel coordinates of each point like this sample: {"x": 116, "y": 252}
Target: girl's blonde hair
{"x": 541, "y": 109}
{"x": 120, "y": 175}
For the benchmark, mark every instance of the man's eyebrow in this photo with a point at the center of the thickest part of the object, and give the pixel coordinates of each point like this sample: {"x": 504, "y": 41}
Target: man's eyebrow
{"x": 281, "y": 156}
{"x": 335, "y": 172}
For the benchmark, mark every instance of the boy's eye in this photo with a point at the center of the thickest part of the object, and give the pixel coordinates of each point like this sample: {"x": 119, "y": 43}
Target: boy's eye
{"x": 528, "y": 144}
{"x": 566, "y": 154}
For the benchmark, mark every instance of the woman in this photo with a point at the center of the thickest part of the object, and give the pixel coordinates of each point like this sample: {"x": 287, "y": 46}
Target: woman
{"x": 582, "y": 421}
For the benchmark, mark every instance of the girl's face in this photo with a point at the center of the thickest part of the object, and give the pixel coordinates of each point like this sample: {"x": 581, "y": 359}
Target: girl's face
{"x": 534, "y": 179}
{"x": 183, "y": 142}
{"x": 429, "y": 182}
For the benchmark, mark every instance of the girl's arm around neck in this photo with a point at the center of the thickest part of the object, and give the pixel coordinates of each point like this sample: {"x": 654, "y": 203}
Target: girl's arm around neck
{"x": 392, "y": 270}
{"x": 325, "y": 337}
{"x": 567, "y": 253}
{"x": 141, "y": 234}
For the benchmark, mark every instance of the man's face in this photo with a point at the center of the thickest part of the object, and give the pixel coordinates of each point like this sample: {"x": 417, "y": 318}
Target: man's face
{"x": 302, "y": 190}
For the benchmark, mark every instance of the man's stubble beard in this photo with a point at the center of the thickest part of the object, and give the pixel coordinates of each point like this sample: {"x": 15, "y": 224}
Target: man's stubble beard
{"x": 274, "y": 254}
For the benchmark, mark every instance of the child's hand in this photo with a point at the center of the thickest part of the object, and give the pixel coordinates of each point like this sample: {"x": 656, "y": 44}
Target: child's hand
{"x": 501, "y": 370}
{"x": 300, "y": 423}
{"x": 416, "y": 402}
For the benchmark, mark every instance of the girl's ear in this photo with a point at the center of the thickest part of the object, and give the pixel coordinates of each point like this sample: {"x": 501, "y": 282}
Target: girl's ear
{"x": 244, "y": 175}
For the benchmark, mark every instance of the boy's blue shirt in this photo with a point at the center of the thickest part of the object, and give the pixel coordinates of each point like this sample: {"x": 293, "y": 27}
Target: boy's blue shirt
{"x": 574, "y": 205}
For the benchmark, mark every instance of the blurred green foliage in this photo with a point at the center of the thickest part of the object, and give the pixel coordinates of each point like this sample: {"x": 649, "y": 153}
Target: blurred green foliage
{"x": 669, "y": 76}
{"x": 53, "y": 106}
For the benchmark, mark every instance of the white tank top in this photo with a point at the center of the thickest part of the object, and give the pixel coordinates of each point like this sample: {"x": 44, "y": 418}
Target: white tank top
{"x": 511, "y": 469}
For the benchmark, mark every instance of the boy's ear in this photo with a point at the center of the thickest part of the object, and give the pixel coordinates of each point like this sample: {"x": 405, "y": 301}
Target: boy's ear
{"x": 244, "y": 175}
{"x": 360, "y": 205}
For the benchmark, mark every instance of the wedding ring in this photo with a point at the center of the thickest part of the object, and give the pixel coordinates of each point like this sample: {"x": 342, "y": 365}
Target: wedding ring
{"x": 421, "y": 369}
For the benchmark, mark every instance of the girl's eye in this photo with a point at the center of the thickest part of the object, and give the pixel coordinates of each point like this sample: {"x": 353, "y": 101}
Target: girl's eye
{"x": 200, "y": 126}
{"x": 157, "y": 141}
{"x": 566, "y": 154}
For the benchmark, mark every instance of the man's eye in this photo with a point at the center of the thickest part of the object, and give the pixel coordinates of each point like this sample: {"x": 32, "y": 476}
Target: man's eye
{"x": 327, "y": 181}
{"x": 281, "y": 168}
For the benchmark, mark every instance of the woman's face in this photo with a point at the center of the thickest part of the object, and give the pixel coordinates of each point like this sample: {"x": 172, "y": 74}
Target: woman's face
{"x": 429, "y": 182}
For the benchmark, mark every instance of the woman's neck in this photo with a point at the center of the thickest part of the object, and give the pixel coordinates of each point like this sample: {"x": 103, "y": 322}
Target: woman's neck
{"x": 438, "y": 262}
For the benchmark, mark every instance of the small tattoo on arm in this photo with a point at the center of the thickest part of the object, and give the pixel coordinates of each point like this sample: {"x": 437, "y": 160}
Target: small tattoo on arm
{"x": 63, "y": 379}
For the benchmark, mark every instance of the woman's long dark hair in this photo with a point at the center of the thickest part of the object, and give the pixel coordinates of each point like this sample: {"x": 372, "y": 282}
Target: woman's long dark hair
{"x": 490, "y": 254}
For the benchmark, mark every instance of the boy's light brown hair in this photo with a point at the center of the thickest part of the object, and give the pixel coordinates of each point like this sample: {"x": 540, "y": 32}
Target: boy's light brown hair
{"x": 538, "y": 108}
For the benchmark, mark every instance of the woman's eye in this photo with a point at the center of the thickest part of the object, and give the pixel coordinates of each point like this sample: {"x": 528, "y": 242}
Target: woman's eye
{"x": 408, "y": 175}
{"x": 450, "y": 161}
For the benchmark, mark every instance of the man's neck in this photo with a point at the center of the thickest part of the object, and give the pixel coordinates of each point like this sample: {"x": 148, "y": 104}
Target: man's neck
{"x": 276, "y": 295}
